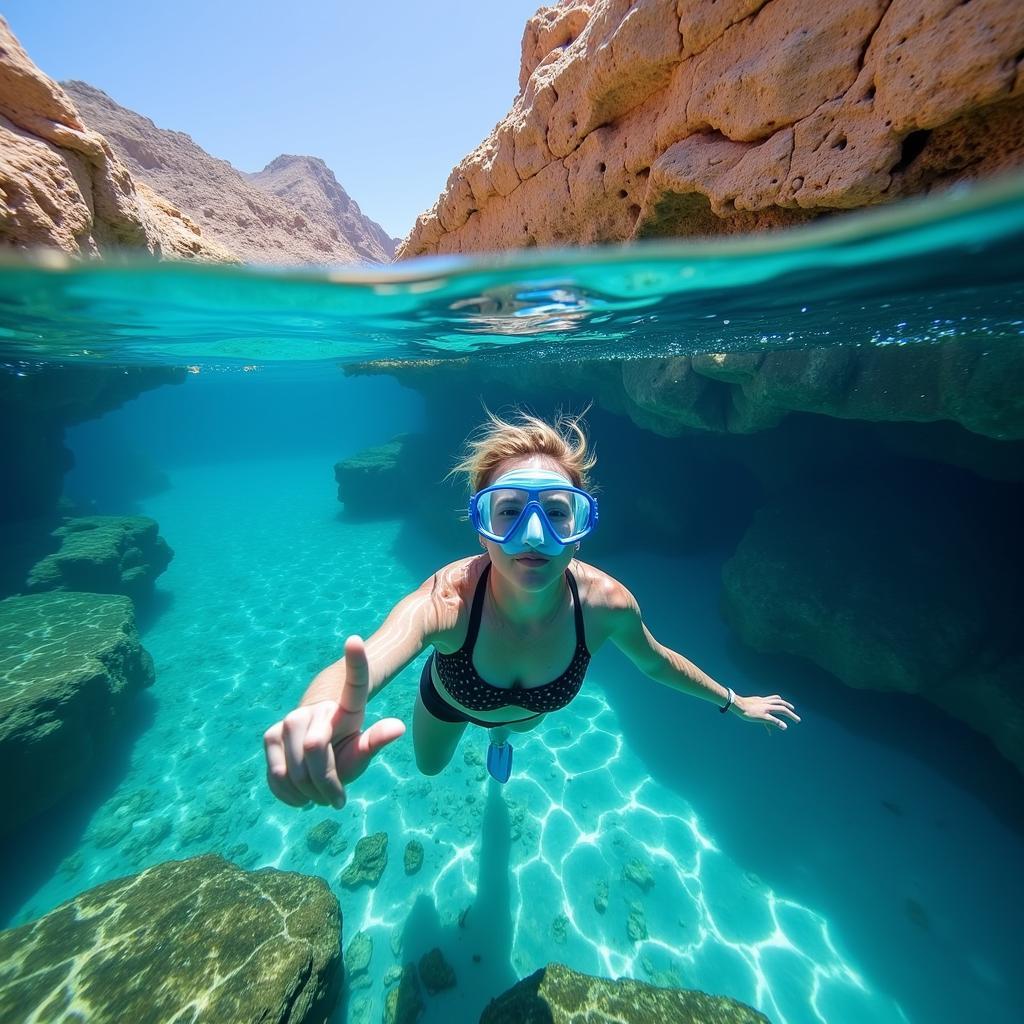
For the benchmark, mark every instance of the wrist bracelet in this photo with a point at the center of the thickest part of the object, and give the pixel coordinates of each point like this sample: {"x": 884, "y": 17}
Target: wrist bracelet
{"x": 728, "y": 704}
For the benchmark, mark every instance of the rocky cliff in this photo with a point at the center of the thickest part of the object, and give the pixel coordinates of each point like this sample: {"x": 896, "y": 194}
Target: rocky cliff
{"x": 304, "y": 216}
{"x": 63, "y": 186}
{"x": 674, "y": 118}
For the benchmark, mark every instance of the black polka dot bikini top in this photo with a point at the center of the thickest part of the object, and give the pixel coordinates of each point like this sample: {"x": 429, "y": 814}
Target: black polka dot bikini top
{"x": 463, "y": 682}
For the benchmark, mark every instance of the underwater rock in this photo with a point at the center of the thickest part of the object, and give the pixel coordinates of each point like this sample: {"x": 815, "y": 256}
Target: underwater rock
{"x": 413, "y": 856}
{"x": 320, "y": 835}
{"x": 559, "y": 995}
{"x": 368, "y": 862}
{"x": 260, "y": 945}
{"x": 198, "y": 829}
{"x": 636, "y": 924}
{"x": 639, "y": 873}
{"x": 146, "y": 839}
{"x": 404, "y": 1004}
{"x": 560, "y": 929}
{"x": 659, "y": 119}
{"x": 104, "y": 555}
{"x": 362, "y": 1010}
{"x": 861, "y": 578}
{"x": 69, "y": 664}
{"x": 35, "y": 409}
{"x": 601, "y": 897}
{"x": 109, "y": 834}
{"x": 61, "y": 184}
{"x": 435, "y": 972}
{"x": 376, "y": 482}
{"x": 359, "y": 954}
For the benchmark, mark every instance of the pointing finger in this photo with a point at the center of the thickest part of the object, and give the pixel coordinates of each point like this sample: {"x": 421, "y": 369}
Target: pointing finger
{"x": 356, "y": 688}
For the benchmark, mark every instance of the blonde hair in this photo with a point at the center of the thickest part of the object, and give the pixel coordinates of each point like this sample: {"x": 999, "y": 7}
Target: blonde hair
{"x": 493, "y": 442}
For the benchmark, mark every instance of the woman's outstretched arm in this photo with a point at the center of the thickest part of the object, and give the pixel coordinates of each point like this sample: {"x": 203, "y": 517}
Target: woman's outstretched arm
{"x": 319, "y": 747}
{"x": 670, "y": 668}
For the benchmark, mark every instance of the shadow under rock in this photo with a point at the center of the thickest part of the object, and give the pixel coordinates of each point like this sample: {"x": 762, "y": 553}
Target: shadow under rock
{"x": 149, "y": 610}
{"x": 484, "y": 930}
{"x": 30, "y": 857}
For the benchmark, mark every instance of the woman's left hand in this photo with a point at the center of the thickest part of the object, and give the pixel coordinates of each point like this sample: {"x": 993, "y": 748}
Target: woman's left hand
{"x": 764, "y": 710}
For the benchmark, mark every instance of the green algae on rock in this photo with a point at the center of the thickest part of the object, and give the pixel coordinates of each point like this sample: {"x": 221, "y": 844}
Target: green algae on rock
{"x": 69, "y": 663}
{"x": 404, "y": 1004}
{"x": 359, "y": 954}
{"x": 368, "y": 861}
{"x": 320, "y": 835}
{"x": 556, "y": 994}
{"x": 435, "y": 972}
{"x": 104, "y": 555}
{"x": 413, "y": 856}
{"x": 241, "y": 945}
{"x": 377, "y": 480}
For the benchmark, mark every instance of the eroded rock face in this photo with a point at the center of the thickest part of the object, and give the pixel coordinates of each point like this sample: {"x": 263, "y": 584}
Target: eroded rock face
{"x": 104, "y": 555}
{"x": 894, "y": 582}
{"x": 61, "y": 184}
{"x": 245, "y": 946}
{"x": 69, "y": 663}
{"x": 966, "y": 380}
{"x": 559, "y": 995}
{"x": 285, "y": 214}
{"x": 35, "y": 409}
{"x": 664, "y": 118}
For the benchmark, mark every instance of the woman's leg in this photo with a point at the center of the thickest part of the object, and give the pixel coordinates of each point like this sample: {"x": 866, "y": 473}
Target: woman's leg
{"x": 500, "y": 733}
{"x": 434, "y": 738}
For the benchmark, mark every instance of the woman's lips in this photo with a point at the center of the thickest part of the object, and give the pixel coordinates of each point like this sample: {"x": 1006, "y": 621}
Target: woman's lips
{"x": 532, "y": 560}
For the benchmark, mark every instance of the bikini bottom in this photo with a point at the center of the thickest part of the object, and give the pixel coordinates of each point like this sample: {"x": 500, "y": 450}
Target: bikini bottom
{"x": 442, "y": 710}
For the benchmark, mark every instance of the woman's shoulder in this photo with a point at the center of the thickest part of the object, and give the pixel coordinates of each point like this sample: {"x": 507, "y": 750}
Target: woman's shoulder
{"x": 599, "y": 590}
{"x": 452, "y": 588}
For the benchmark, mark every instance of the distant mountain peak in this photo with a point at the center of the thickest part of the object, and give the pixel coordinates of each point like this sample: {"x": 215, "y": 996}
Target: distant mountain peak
{"x": 308, "y": 183}
{"x": 293, "y": 211}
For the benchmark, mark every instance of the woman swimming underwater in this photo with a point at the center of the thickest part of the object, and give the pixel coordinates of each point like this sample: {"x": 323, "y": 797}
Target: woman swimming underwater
{"x": 512, "y": 630}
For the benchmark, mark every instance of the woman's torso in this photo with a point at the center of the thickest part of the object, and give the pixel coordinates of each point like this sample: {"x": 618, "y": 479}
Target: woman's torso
{"x": 548, "y": 659}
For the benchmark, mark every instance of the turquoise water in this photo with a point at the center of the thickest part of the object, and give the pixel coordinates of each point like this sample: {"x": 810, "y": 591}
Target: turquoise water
{"x": 862, "y": 867}
{"x": 920, "y": 272}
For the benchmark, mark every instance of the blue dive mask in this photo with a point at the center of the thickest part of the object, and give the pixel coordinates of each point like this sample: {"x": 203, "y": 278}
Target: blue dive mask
{"x": 533, "y": 510}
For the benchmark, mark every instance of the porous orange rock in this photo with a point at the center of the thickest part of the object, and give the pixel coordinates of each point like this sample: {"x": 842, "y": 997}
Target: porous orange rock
{"x": 687, "y": 117}
{"x": 61, "y": 186}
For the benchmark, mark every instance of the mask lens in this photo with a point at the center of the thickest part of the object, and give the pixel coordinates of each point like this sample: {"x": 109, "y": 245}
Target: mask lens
{"x": 499, "y": 510}
{"x": 567, "y": 512}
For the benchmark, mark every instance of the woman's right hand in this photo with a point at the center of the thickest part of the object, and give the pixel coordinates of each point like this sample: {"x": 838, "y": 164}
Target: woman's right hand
{"x": 315, "y": 750}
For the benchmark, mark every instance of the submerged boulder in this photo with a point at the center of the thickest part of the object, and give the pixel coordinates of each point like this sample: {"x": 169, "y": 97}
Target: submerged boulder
{"x": 69, "y": 664}
{"x": 556, "y": 994}
{"x": 243, "y": 946}
{"x": 909, "y": 585}
{"x": 368, "y": 862}
{"x": 383, "y": 481}
{"x": 104, "y": 555}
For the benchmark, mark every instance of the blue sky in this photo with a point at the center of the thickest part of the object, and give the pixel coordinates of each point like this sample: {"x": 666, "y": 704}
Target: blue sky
{"x": 392, "y": 96}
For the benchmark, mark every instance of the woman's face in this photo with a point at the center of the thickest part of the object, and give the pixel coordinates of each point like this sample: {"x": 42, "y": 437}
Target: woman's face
{"x": 529, "y": 571}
